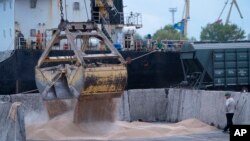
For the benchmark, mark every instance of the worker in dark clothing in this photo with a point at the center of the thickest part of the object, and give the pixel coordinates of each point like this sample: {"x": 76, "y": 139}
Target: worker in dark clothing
{"x": 230, "y": 109}
{"x": 20, "y": 40}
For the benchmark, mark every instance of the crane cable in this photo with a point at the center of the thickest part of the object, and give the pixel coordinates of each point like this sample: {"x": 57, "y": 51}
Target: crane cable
{"x": 130, "y": 60}
{"x": 65, "y": 5}
{"x": 139, "y": 57}
{"x": 86, "y": 10}
{"x": 61, "y": 10}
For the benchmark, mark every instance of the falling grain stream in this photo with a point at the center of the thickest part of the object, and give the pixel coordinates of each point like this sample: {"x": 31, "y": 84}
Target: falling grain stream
{"x": 90, "y": 109}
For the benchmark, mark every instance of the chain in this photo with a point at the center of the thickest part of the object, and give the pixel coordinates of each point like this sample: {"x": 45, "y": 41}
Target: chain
{"x": 61, "y": 10}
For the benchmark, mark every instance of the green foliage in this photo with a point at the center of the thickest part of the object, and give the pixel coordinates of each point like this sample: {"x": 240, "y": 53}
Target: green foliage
{"x": 222, "y": 32}
{"x": 168, "y": 33}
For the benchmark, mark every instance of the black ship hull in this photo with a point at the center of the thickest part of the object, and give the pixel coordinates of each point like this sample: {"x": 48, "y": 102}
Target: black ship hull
{"x": 157, "y": 70}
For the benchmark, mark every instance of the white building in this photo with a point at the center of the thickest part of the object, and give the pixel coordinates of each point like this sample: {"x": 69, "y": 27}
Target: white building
{"x": 29, "y": 16}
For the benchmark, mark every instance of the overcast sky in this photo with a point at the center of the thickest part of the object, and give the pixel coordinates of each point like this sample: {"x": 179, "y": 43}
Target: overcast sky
{"x": 155, "y": 14}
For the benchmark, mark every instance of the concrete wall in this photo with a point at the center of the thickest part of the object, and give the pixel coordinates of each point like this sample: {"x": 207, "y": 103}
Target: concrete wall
{"x": 33, "y": 106}
{"x": 145, "y": 105}
{"x": 151, "y": 105}
{"x": 179, "y": 104}
{"x": 10, "y": 129}
{"x": 123, "y": 112}
{"x": 207, "y": 106}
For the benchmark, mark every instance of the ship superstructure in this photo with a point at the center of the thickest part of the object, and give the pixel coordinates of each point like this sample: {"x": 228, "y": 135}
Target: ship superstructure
{"x": 23, "y": 19}
{"x": 17, "y": 68}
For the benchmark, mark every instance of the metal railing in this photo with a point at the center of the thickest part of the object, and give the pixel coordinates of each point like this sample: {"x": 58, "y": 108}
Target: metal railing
{"x": 137, "y": 45}
{"x": 30, "y": 43}
{"x": 133, "y": 19}
{"x": 22, "y": 43}
{"x": 173, "y": 45}
{"x": 149, "y": 45}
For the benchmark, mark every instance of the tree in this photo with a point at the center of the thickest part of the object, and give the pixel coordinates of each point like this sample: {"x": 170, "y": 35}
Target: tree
{"x": 169, "y": 33}
{"x": 222, "y": 32}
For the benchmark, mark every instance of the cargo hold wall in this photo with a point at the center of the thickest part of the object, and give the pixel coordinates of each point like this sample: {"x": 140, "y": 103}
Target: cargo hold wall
{"x": 207, "y": 106}
{"x": 174, "y": 105}
{"x": 150, "y": 105}
{"x": 11, "y": 122}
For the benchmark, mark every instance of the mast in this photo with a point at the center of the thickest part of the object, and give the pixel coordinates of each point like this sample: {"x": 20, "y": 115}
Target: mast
{"x": 173, "y": 10}
{"x": 187, "y": 16}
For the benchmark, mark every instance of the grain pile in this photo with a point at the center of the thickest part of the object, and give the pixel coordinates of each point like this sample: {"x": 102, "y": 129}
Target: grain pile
{"x": 62, "y": 128}
{"x": 94, "y": 119}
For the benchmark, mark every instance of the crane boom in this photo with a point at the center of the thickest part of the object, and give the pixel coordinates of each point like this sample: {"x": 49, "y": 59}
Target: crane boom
{"x": 222, "y": 10}
{"x": 234, "y": 2}
{"x": 237, "y": 6}
{"x": 229, "y": 13}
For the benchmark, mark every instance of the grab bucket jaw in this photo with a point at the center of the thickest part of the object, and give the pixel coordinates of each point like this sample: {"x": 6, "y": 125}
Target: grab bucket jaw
{"x": 81, "y": 75}
{"x": 53, "y": 84}
{"x": 76, "y": 81}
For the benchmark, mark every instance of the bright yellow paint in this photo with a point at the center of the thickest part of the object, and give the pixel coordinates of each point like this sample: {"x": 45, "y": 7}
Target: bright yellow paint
{"x": 105, "y": 80}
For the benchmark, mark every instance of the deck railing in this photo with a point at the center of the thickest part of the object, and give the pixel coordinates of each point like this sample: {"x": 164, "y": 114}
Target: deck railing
{"x": 137, "y": 45}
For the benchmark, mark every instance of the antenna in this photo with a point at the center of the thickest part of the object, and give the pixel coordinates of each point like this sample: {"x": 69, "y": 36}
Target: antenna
{"x": 173, "y": 10}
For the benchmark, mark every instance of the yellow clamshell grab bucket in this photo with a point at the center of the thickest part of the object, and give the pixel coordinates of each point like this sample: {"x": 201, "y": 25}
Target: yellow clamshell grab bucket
{"x": 82, "y": 74}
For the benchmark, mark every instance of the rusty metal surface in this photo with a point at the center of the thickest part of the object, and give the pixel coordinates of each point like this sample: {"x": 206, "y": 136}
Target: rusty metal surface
{"x": 99, "y": 3}
{"x": 77, "y": 80}
{"x": 105, "y": 80}
{"x": 60, "y": 59}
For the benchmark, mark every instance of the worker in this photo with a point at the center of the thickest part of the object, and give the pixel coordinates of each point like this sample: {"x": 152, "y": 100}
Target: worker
{"x": 39, "y": 40}
{"x": 230, "y": 109}
{"x": 20, "y": 40}
{"x": 244, "y": 90}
